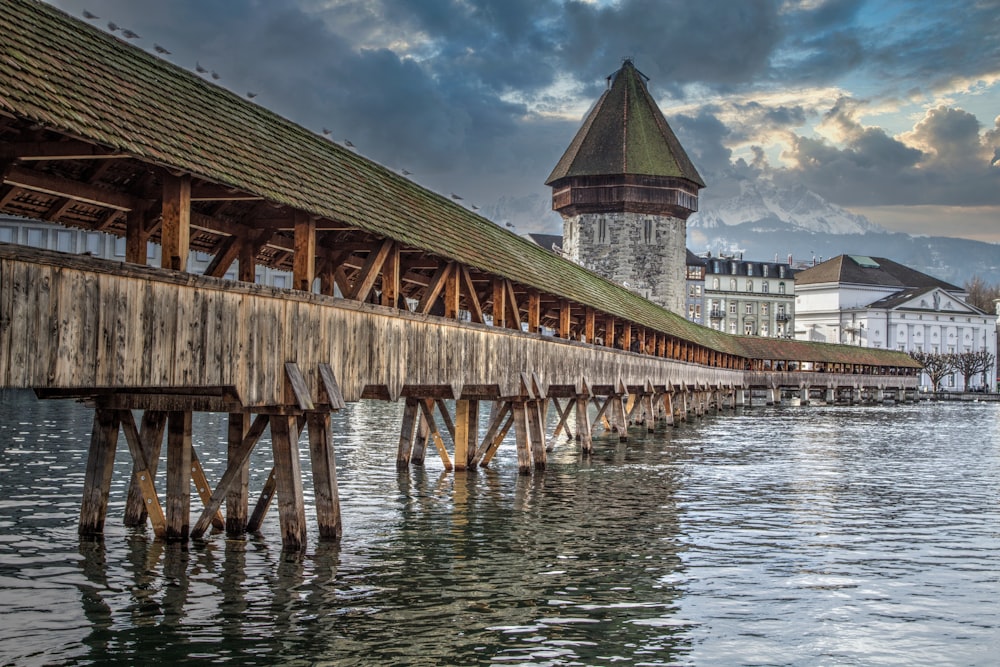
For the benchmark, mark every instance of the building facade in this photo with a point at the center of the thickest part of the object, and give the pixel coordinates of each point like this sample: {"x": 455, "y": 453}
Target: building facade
{"x": 750, "y": 298}
{"x": 625, "y": 188}
{"x": 695, "y": 287}
{"x": 875, "y": 302}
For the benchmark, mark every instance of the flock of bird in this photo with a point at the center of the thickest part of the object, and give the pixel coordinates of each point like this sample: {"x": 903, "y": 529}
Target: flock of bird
{"x": 129, "y": 34}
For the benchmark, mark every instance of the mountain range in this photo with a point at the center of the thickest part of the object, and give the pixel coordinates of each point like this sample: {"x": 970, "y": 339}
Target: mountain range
{"x": 768, "y": 223}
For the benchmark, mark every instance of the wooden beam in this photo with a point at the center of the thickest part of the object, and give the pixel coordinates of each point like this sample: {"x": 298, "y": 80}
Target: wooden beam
{"x": 97, "y": 476}
{"x": 175, "y": 234}
{"x": 369, "y": 273}
{"x": 304, "y": 259}
{"x": 589, "y": 325}
{"x": 226, "y": 253}
{"x": 426, "y": 406}
{"x": 213, "y": 192}
{"x": 565, "y": 311}
{"x": 288, "y": 482}
{"x": 28, "y": 151}
{"x": 434, "y": 288}
{"x": 453, "y": 293}
{"x": 609, "y": 332}
{"x": 324, "y": 475}
{"x": 391, "y": 275}
{"x": 406, "y": 432}
{"x": 499, "y": 302}
{"x": 534, "y": 309}
{"x": 64, "y": 187}
{"x": 471, "y": 297}
{"x": 136, "y": 236}
{"x": 513, "y": 312}
{"x": 143, "y": 473}
{"x": 151, "y": 438}
{"x": 178, "y": 475}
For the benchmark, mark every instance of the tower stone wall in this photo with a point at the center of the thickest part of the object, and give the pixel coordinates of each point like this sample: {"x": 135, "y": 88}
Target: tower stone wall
{"x": 644, "y": 252}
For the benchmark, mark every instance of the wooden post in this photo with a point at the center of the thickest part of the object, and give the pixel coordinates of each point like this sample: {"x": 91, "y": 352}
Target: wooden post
{"x": 589, "y": 325}
{"x": 668, "y": 406}
{"x": 466, "y": 433}
{"x": 452, "y": 293}
{"x": 238, "y": 496}
{"x": 499, "y": 303}
{"x": 391, "y": 275}
{"x": 411, "y": 417}
{"x": 178, "y": 475}
{"x": 647, "y": 406}
{"x": 609, "y": 331}
{"x": 175, "y": 233}
{"x": 136, "y": 236}
{"x": 583, "y": 425}
{"x": 288, "y": 482}
{"x": 627, "y": 337}
{"x": 536, "y": 424}
{"x": 324, "y": 473}
{"x": 100, "y": 465}
{"x": 522, "y": 437}
{"x": 534, "y": 310}
{"x": 565, "y": 312}
{"x": 247, "y": 261}
{"x": 151, "y": 436}
{"x": 304, "y": 258}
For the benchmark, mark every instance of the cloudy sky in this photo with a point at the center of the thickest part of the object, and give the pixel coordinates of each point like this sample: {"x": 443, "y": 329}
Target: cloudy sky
{"x": 890, "y": 108}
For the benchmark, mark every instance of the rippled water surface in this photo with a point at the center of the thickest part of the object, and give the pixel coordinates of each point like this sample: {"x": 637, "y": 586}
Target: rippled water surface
{"x": 775, "y": 536}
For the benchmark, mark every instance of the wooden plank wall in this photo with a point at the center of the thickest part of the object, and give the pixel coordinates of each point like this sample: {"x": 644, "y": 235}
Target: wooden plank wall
{"x": 76, "y": 322}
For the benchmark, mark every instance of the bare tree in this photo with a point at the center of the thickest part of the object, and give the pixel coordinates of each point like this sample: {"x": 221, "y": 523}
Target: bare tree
{"x": 936, "y": 365}
{"x": 973, "y": 363}
{"x": 981, "y": 294}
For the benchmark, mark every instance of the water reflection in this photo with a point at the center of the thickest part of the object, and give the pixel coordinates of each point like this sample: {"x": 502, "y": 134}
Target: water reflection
{"x": 826, "y": 535}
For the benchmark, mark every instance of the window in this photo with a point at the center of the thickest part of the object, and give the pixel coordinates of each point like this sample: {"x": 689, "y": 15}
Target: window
{"x": 36, "y": 238}
{"x": 119, "y": 247}
{"x": 781, "y": 288}
{"x": 732, "y": 327}
{"x": 602, "y": 232}
{"x": 6, "y": 235}
{"x": 732, "y": 308}
{"x": 697, "y": 311}
{"x": 93, "y": 243}
{"x": 749, "y": 309}
{"x": 764, "y": 329}
{"x": 64, "y": 241}
{"x": 691, "y": 312}
{"x": 763, "y": 309}
{"x": 748, "y": 328}
{"x": 763, "y": 270}
{"x": 749, "y": 269}
{"x": 648, "y": 232}
{"x": 764, "y": 287}
{"x": 715, "y": 283}
{"x": 749, "y": 285}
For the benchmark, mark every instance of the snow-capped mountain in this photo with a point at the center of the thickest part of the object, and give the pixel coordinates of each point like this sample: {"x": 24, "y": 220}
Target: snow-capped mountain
{"x": 764, "y": 206}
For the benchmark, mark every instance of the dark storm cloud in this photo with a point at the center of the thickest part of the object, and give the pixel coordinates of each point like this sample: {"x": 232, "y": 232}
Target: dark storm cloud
{"x": 945, "y": 161}
{"x": 452, "y": 90}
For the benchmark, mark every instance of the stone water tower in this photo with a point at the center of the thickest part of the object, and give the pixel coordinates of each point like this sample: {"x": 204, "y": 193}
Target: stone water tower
{"x": 625, "y": 188}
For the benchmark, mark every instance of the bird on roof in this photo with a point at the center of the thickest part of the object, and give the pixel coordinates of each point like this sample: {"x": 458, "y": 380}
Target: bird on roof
{"x": 199, "y": 69}
{"x": 251, "y": 95}
{"x": 215, "y": 75}
{"x": 89, "y": 15}
{"x": 347, "y": 142}
{"x": 327, "y": 132}
{"x": 112, "y": 26}
{"x": 510, "y": 225}
{"x": 454, "y": 196}
{"x": 475, "y": 208}
{"x": 128, "y": 34}
{"x": 160, "y": 49}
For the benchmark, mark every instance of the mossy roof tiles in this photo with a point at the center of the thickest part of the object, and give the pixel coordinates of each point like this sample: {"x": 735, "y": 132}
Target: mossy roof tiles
{"x": 625, "y": 133}
{"x": 73, "y": 78}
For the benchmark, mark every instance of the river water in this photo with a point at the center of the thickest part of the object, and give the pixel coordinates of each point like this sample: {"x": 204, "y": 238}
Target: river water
{"x": 772, "y": 536}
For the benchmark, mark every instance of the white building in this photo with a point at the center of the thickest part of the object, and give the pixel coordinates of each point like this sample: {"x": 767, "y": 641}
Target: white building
{"x": 750, "y": 298}
{"x": 875, "y": 302}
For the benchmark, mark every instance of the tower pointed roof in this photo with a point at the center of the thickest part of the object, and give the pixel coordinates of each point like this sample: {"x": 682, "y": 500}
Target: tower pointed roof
{"x": 626, "y": 134}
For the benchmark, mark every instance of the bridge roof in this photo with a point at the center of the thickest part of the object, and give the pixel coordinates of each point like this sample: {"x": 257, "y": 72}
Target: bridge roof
{"x": 64, "y": 75}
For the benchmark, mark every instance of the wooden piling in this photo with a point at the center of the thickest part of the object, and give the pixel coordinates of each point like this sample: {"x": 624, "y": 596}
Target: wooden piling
{"x": 288, "y": 482}
{"x": 324, "y": 473}
{"x": 178, "y": 506}
{"x": 151, "y": 438}
{"x": 238, "y": 496}
{"x": 97, "y": 478}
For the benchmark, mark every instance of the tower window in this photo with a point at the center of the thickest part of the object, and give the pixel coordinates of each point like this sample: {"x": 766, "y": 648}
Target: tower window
{"x": 602, "y": 232}
{"x": 648, "y": 232}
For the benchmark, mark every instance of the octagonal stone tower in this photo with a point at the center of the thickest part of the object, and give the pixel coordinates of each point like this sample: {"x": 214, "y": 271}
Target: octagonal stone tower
{"x": 625, "y": 188}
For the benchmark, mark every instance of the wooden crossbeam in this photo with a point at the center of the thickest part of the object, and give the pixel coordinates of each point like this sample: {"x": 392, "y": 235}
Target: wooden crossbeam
{"x": 472, "y": 299}
{"x": 370, "y": 270}
{"x": 434, "y": 288}
{"x": 143, "y": 474}
{"x": 426, "y": 409}
{"x": 234, "y": 468}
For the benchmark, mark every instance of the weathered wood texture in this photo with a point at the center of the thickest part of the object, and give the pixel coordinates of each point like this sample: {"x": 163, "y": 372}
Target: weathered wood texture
{"x": 69, "y": 322}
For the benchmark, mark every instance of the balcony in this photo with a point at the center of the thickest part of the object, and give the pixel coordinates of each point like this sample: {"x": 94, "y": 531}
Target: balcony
{"x": 782, "y": 317}
{"x": 717, "y": 315}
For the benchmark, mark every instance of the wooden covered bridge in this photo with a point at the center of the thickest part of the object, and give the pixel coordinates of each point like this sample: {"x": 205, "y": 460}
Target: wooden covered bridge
{"x": 399, "y": 293}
